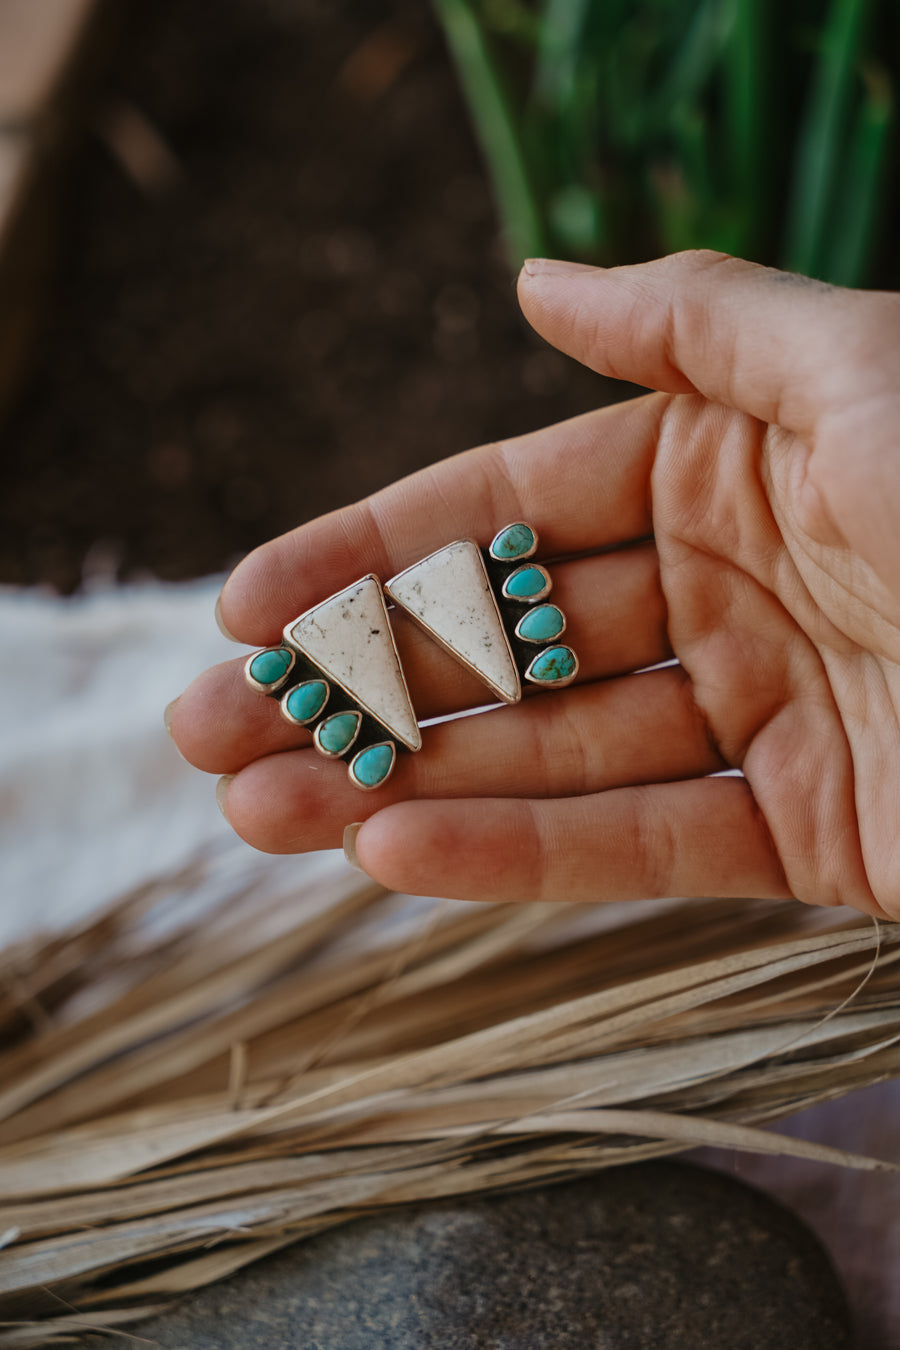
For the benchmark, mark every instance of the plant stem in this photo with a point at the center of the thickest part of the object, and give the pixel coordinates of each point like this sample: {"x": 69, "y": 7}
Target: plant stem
{"x": 495, "y": 126}
{"x": 849, "y": 255}
{"x": 823, "y": 135}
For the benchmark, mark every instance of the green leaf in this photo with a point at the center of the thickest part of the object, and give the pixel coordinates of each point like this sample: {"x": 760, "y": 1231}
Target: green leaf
{"x": 694, "y": 61}
{"x": 824, "y": 133}
{"x": 496, "y": 128}
{"x": 560, "y": 39}
{"x": 746, "y": 100}
{"x": 848, "y": 258}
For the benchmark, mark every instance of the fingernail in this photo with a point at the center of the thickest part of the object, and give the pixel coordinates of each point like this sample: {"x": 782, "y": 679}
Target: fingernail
{"x": 350, "y": 833}
{"x": 168, "y": 715}
{"x": 222, "y": 787}
{"x": 221, "y": 623}
{"x": 549, "y": 267}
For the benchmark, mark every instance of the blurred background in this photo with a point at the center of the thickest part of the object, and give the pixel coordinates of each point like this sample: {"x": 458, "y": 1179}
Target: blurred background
{"x": 274, "y": 281}
{"x": 257, "y": 256}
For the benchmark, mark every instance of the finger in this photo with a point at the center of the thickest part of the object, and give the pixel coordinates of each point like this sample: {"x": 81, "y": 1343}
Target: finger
{"x": 639, "y": 729}
{"x": 583, "y": 484}
{"x": 616, "y": 622}
{"x": 694, "y": 839}
{"x": 768, "y": 343}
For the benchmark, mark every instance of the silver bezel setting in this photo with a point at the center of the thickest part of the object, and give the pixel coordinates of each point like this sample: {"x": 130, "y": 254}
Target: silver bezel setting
{"x": 317, "y": 734}
{"x": 551, "y": 684}
{"x": 372, "y": 787}
{"x": 541, "y": 641}
{"x": 520, "y": 557}
{"x": 528, "y": 599}
{"x": 277, "y": 684}
{"x": 304, "y": 722}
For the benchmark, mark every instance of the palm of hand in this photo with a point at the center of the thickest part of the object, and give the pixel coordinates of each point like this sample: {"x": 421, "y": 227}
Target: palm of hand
{"x": 790, "y": 646}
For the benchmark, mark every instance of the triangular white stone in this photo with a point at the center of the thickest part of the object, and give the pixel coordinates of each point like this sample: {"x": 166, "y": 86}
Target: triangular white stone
{"x": 450, "y": 595}
{"x": 349, "y": 638}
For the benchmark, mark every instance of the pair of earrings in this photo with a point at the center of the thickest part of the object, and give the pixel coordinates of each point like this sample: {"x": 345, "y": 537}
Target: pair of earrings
{"x": 338, "y": 673}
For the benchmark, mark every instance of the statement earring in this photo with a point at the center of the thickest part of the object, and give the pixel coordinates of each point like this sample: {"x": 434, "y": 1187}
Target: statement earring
{"x": 337, "y": 673}
{"x": 487, "y": 607}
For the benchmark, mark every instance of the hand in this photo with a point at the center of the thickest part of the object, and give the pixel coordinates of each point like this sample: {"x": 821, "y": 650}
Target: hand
{"x": 767, "y": 472}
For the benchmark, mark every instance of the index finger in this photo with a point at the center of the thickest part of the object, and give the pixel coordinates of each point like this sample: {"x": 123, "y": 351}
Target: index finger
{"x": 583, "y": 484}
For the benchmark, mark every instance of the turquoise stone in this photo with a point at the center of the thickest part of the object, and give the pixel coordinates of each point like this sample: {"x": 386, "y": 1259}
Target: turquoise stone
{"x": 271, "y": 665}
{"x": 372, "y": 766}
{"x": 307, "y": 700}
{"x": 516, "y": 541}
{"x": 542, "y": 624}
{"x": 338, "y": 732}
{"x": 526, "y": 583}
{"x": 553, "y": 665}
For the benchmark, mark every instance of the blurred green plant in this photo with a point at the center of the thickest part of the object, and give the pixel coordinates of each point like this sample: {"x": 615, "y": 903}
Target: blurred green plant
{"x": 615, "y": 130}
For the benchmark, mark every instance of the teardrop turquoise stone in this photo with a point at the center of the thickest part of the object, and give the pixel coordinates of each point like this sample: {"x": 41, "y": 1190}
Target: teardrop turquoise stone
{"x": 556, "y": 663}
{"x": 338, "y": 732}
{"x": 307, "y": 700}
{"x": 372, "y": 766}
{"x": 270, "y": 665}
{"x": 514, "y": 542}
{"x": 524, "y": 583}
{"x": 542, "y": 624}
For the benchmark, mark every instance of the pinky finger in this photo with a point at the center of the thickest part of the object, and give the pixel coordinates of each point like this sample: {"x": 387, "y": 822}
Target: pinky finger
{"x": 704, "y": 837}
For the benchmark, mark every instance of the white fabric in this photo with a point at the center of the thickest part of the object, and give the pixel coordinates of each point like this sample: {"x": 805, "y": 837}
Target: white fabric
{"x": 94, "y": 797}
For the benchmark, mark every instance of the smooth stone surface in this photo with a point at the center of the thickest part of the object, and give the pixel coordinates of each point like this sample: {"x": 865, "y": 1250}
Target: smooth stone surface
{"x": 553, "y": 665}
{"x": 449, "y": 594}
{"x": 527, "y": 583}
{"x": 349, "y": 638}
{"x": 515, "y": 541}
{"x": 269, "y": 666}
{"x": 372, "y": 766}
{"x": 306, "y": 701}
{"x": 542, "y": 624}
{"x": 657, "y": 1256}
{"x": 338, "y": 732}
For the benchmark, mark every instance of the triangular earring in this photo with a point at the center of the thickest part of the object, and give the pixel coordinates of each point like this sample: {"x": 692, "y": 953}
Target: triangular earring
{"x": 449, "y": 594}
{"x": 484, "y": 606}
{"x": 338, "y": 673}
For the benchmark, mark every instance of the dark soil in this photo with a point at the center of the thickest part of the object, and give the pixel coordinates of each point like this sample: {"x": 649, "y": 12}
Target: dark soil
{"x": 318, "y": 305}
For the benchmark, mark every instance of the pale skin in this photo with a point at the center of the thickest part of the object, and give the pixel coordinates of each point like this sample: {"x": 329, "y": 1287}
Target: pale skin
{"x": 748, "y": 515}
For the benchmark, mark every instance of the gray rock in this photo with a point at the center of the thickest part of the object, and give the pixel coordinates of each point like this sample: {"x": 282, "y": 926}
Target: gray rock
{"x": 660, "y": 1256}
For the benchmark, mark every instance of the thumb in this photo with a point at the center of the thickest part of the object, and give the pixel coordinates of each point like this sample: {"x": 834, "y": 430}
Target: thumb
{"x": 767, "y": 343}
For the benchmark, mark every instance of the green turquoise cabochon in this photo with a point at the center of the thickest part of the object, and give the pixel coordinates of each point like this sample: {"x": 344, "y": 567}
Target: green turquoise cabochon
{"x": 556, "y": 665}
{"x": 270, "y": 666}
{"x": 338, "y": 732}
{"x": 515, "y": 541}
{"x": 371, "y": 767}
{"x": 527, "y": 583}
{"x": 306, "y": 701}
{"x": 542, "y": 624}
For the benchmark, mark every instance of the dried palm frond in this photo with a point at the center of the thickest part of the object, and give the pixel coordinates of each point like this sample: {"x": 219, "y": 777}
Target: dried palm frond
{"x": 226, "y": 1061}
